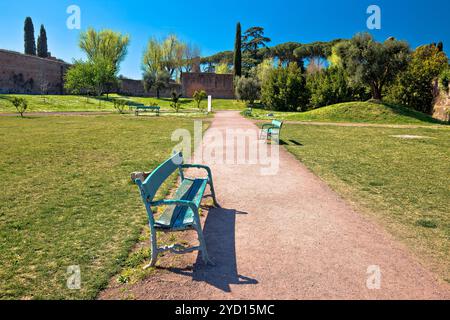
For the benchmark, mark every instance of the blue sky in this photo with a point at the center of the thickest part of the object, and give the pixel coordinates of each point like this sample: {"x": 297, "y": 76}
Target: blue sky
{"x": 211, "y": 24}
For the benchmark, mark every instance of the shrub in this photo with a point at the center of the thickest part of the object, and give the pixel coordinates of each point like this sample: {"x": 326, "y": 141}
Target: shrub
{"x": 248, "y": 90}
{"x": 120, "y": 105}
{"x": 176, "y": 104}
{"x": 414, "y": 87}
{"x": 444, "y": 80}
{"x": 285, "y": 89}
{"x": 331, "y": 86}
{"x": 20, "y": 104}
{"x": 198, "y": 96}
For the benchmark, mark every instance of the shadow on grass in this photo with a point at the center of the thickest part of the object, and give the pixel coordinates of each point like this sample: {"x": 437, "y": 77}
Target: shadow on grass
{"x": 219, "y": 231}
{"x": 290, "y": 143}
{"x": 182, "y": 101}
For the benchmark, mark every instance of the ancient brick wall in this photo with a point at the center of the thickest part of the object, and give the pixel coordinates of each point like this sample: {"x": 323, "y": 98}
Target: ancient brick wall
{"x": 27, "y": 74}
{"x": 216, "y": 85}
{"x": 441, "y": 109}
{"x": 129, "y": 87}
{"x": 21, "y": 73}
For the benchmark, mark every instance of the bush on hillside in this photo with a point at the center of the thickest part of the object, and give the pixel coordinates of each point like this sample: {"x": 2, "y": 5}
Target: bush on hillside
{"x": 331, "y": 86}
{"x": 414, "y": 87}
{"x": 285, "y": 89}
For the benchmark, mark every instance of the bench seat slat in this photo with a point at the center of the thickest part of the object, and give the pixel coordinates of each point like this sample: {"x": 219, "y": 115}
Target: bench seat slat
{"x": 179, "y": 217}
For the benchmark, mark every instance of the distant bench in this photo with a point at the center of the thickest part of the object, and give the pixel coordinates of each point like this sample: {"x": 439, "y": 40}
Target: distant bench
{"x": 271, "y": 130}
{"x": 143, "y": 108}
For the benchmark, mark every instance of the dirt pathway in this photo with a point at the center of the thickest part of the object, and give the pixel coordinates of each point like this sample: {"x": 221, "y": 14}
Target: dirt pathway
{"x": 286, "y": 236}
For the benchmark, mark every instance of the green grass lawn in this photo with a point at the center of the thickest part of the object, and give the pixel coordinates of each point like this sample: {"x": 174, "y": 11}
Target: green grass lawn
{"x": 359, "y": 112}
{"x": 51, "y": 103}
{"x": 403, "y": 183}
{"x": 67, "y": 198}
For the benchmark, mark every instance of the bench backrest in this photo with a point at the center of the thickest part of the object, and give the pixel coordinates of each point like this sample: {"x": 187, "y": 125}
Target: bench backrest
{"x": 154, "y": 181}
{"x": 277, "y": 124}
{"x": 147, "y": 107}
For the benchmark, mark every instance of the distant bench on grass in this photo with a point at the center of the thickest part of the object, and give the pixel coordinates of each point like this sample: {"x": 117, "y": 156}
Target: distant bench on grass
{"x": 143, "y": 108}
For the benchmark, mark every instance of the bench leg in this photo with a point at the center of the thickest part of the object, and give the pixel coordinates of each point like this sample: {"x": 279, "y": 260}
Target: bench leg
{"x": 213, "y": 192}
{"x": 202, "y": 241}
{"x": 154, "y": 253}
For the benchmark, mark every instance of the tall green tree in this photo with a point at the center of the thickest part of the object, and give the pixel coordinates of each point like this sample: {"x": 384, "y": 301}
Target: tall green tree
{"x": 105, "y": 45}
{"x": 253, "y": 40}
{"x": 284, "y": 53}
{"x": 254, "y": 48}
{"x": 42, "y": 48}
{"x": 238, "y": 51}
{"x": 30, "y": 43}
{"x": 168, "y": 55}
{"x": 414, "y": 87}
{"x": 315, "y": 53}
{"x": 373, "y": 63}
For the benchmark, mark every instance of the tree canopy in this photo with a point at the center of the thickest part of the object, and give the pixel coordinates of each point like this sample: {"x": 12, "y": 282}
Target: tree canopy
{"x": 29, "y": 40}
{"x": 105, "y": 45}
{"x": 373, "y": 63}
{"x": 42, "y": 48}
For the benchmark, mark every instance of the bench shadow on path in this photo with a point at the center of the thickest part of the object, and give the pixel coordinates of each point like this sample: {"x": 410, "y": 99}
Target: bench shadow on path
{"x": 219, "y": 231}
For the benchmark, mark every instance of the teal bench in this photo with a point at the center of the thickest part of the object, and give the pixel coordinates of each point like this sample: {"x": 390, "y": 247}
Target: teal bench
{"x": 270, "y": 130}
{"x": 155, "y": 109}
{"x": 181, "y": 212}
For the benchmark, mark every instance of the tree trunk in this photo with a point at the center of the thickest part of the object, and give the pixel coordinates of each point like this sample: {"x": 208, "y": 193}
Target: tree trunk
{"x": 376, "y": 92}
{"x": 157, "y": 93}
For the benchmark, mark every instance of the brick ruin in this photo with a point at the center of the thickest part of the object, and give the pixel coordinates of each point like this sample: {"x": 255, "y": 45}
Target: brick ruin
{"x": 20, "y": 73}
{"x": 129, "y": 87}
{"x": 216, "y": 85}
{"x": 441, "y": 108}
{"x": 25, "y": 74}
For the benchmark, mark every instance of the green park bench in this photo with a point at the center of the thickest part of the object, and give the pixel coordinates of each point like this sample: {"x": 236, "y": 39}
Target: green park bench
{"x": 270, "y": 130}
{"x": 248, "y": 112}
{"x": 143, "y": 108}
{"x": 182, "y": 212}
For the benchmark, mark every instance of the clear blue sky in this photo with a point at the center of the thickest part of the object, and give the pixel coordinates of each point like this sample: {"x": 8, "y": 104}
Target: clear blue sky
{"x": 211, "y": 24}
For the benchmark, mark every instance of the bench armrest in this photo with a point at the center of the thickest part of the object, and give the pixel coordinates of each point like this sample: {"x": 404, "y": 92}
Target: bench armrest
{"x": 267, "y": 126}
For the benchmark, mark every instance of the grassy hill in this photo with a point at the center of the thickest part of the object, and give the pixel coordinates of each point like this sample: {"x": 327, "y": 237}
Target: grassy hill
{"x": 362, "y": 112}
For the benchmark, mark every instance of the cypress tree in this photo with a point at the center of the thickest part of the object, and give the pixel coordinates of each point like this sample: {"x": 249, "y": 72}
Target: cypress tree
{"x": 30, "y": 44}
{"x": 42, "y": 49}
{"x": 238, "y": 52}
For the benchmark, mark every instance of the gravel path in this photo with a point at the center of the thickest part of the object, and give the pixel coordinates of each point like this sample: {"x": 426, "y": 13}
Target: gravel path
{"x": 287, "y": 236}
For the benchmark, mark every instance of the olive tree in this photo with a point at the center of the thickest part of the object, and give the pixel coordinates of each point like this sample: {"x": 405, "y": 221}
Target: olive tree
{"x": 248, "y": 90}
{"x": 373, "y": 63}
